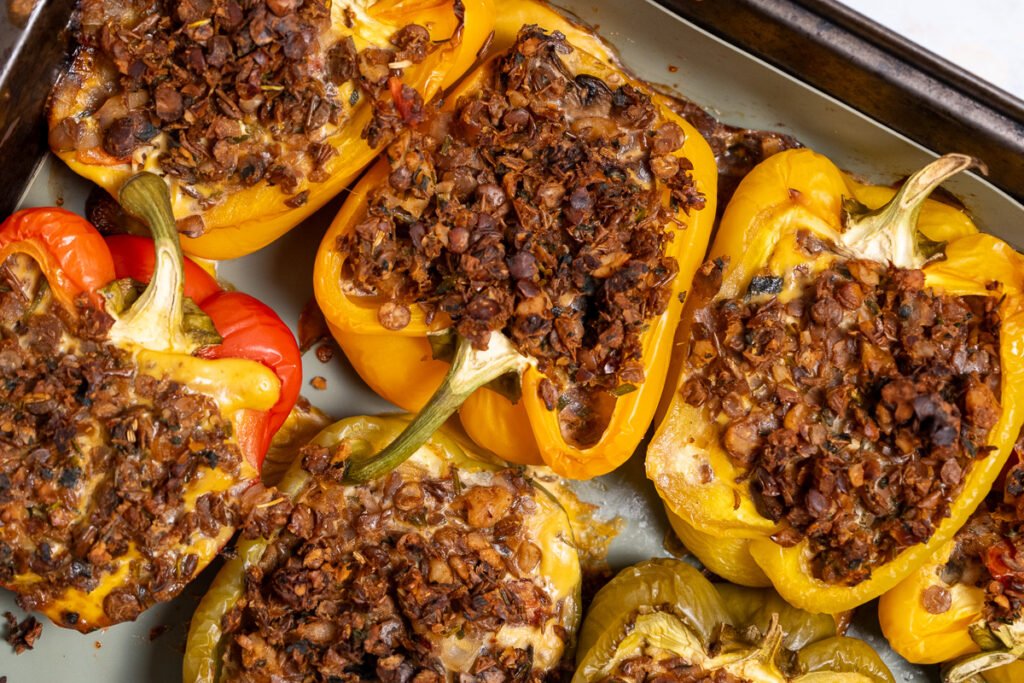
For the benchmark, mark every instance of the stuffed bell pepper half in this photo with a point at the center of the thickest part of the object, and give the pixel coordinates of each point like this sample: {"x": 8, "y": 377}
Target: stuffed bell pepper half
{"x": 850, "y": 386}
{"x": 536, "y": 234}
{"x": 661, "y": 620}
{"x": 255, "y": 113}
{"x": 133, "y": 415}
{"x": 450, "y": 567}
{"x": 966, "y": 604}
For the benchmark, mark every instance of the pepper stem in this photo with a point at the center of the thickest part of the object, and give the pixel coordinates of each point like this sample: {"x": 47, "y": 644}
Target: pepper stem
{"x": 471, "y": 369}
{"x": 156, "y": 319}
{"x": 970, "y": 668}
{"x": 772, "y": 641}
{"x": 889, "y": 233}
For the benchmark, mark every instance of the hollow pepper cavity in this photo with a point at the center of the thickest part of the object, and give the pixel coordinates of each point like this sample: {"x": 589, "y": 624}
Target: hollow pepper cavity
{"x": 799, "y": 233}
{"x": 135, "y": 413}
{"x": 395, "y": 347}
{"x": 459, "y": 565}
{"x": 662, "y": 617}
{"x": 255, "y": 116}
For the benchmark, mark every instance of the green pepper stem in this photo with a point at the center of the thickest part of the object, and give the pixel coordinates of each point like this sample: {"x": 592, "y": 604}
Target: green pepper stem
{"x": 772, "y": 641}
{"x": 471, "y": 369}
{"x": 970, "y": 668}
{"x": 889, "y": 233}
{"x": 156, "y": 319}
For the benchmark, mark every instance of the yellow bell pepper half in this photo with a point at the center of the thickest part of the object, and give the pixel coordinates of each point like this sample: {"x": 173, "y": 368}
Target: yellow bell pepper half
{"x": 253, "y": 217}
{"x": 802, "y": 190}
{"x": 399, "y": 366}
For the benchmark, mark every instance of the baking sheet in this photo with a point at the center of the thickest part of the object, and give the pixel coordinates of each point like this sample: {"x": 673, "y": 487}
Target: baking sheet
{"x": 657, "y": 46}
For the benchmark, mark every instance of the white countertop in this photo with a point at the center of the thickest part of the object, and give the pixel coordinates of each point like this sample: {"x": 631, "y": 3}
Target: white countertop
{"x": 984, "y": 36}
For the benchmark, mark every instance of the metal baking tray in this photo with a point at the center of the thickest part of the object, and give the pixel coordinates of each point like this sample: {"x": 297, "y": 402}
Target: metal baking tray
{"x": 829, "y": 47}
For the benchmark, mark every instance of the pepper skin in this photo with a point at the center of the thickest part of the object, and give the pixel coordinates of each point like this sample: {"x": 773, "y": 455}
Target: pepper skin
{"x": 665, "y": 609}
{"x": 252, "y": 217}
{"x": 398, "y": 365}
{"x": 686, "y": 461}
{"x": 249, "y": 368}
{"x": 727, "y": 556}
{"x": 922, "y": 637}
{"x": 543, "y": 522}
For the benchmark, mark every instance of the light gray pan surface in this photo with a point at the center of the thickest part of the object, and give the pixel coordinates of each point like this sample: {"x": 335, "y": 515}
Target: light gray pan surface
{"x": 738, "y": 89}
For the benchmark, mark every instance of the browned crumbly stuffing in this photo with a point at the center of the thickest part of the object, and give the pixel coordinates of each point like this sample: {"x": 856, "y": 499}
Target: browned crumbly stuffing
{"x": 646, "y": 669}
{"x": 856, "y": 410}
{"x": 363, "y": 577}
{"x": 325, "y": 352}
{"x": 246, "y": 90}
{"x": 534, "y": 208}
{"x": 989, "y": 550}
{"x": 94, "y": 458}
{"x": 22, "y": 635}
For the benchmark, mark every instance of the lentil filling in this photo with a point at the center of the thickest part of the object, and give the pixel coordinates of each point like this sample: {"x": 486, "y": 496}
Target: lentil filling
{"x": 400, "y": 579}
{"x": 535, "y": 208}
{"x": 989, "y": 552}
{"x": 855, "y": 409}
{"x": 648, "y": 669}
{"x": 95, "y": 459}
{"x": 234, "y": 92}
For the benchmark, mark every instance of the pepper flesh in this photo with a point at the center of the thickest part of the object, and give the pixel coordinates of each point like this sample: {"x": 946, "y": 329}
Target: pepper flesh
{"x": 248, "y": 393}
{"x": 800, "y": 189}
{"x": 920, "y": 636}
{"x": 547, "y": 524}
{"x": 398, "y": 365}
{"x": 252, "y": 217}
{"x": 667, "y": 610}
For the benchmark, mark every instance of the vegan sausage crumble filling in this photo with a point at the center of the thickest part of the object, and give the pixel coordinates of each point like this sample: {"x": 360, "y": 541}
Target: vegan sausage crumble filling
{"x": 232, "y": 92}
{"x": 407, "y": 578}
{"x": 535, "y": 208}
{"x": 855, "y": 409}
{"x": 93, "y": 460}
{"x": 659, "y": 669}
{"x": 989, "y": 552}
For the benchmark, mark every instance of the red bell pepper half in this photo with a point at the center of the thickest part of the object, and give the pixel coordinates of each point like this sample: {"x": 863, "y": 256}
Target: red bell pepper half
{"x": 76, "y": 260}
{"x": 249, "y": 329}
